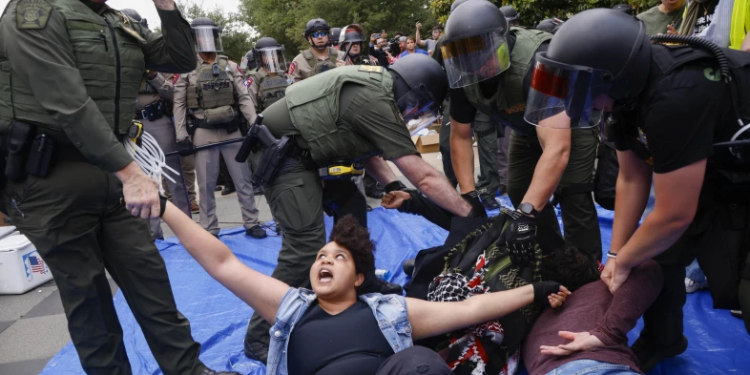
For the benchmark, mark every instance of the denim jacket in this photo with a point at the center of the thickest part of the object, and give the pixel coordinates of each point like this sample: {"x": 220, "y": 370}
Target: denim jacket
{"x": 389, "y": 310}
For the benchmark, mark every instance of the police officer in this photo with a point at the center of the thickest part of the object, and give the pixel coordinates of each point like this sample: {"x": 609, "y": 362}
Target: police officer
{"x": 542, "y": 161}
{"x": 350, "y": 47}
{"x": 320, "y": 57}
{"x": 154, "y": 110}
{"x": 511, "y": 15}
{"x": 268, "y": 81}
{"x": 701, "y": 190}
{"x": 208, "y": 104}
{"x": 352, "y": 113}
{"x": 333, "y": 40}
{"x": 69, "y": 77}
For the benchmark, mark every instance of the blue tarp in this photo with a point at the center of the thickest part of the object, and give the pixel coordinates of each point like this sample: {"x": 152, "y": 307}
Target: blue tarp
{"x": 719, "y": 343}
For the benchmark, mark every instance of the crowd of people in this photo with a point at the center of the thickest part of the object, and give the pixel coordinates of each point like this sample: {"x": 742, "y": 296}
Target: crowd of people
{"x": 659, "y": 95}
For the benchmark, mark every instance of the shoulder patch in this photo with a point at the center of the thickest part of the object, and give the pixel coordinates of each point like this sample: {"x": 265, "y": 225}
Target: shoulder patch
{"x": 248, "y": 82}
{"x": 370, "y": 68}
{"x": 292, "y": 68}
{"x": 32, "y": 14}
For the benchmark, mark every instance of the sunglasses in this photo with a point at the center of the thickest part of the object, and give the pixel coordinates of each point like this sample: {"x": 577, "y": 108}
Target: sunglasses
{"x": 319, "y": 34}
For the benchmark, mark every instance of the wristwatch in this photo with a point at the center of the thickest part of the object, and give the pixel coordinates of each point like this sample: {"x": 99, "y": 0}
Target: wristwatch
{"x": 527, "y": 209}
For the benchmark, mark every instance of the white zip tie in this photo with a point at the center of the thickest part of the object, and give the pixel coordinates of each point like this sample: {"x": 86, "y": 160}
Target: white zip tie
{"x": 150, "y": 157}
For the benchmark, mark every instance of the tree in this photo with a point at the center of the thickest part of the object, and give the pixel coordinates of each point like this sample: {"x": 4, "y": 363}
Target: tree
{"x": 285, "y": 20}
{"x": 236, "y": 38}
{"x": 533, "y": 11}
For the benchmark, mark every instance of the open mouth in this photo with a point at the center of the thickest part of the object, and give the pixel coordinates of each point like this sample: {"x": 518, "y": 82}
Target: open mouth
{"x": 325, "y": 276}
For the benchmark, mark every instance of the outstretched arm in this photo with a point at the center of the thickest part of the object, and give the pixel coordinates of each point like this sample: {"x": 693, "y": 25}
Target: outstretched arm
{"x": 430, "y": 319}
{"x": 433, "y": 184}
{"x": 262, "y": 293}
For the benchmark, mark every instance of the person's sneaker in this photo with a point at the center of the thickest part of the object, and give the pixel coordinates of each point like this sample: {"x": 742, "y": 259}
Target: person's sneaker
{"x": 692, "y": 286}
{"x": 194, "y": 208}
{"x": 228, "y": 190}
{"x": 490, "y": 203}
{"x": 649, "y": 357}
{"x": 257, "y": 190}
{"x": 256, "y": 232}
{"x": 502, "y": 190}
{"x": 736, "y": 313}
{"x": 212, "y": 372}
{"x": 256, "y": 350}
{"x": 377, "y": 191}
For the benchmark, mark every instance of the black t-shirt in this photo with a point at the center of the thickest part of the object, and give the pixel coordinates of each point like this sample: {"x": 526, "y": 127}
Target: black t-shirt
{"x": 680, "y": 116}
{"x": 348, "y": 343}
{"x": 705, "y": 16}
{"x": 464, "y": 112}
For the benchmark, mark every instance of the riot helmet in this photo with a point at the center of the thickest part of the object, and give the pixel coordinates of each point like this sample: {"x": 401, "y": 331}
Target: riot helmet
{"x": 419, "y": 87}
{"x": 550, "y": 25}
{"x": 207, "y": 35}
{"x": 511, "y": 15}
{"x": 475, "y": 47}
{"x": 270, "y": 55}
{"x": 317, "y": 28}
{"x": 248, "y": 61}
{"x": 456, "y": 4}
{"x": 334, "y": 38}
{"x": 135, "y": 16}
{"x": 625, "y": 8}
{"x": 351, "y": 35}
{"x": 598, "y": 56}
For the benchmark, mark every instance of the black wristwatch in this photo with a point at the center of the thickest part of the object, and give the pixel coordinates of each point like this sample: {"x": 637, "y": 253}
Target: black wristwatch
{"x": 527, "y": 209}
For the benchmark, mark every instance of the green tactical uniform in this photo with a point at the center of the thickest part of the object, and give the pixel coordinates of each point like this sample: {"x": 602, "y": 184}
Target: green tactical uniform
{"x": 266, "y": 89}
{"x": 507, "y": 105}
{"x": 348, "y": 114}
{"x": 72, "y": 69}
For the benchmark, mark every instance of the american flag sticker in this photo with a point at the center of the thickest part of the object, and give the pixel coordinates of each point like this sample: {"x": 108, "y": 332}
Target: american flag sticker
{"x": 34, "y": 265}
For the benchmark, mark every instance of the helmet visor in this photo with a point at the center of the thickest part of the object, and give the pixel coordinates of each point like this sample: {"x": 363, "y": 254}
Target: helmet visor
{"x": 272, "y": 59}
{"x": 246, "y": 64}
{"x": 417, "y": 103}
{"x": 578, "y": 91}
{"x": 476, "y": 58}
{"x": 208, "y": 38}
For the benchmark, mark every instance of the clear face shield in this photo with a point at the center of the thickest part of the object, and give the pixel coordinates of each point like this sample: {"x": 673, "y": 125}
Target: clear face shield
{"x": 272, "y": 59}
{"x": 418, "y": 108}
{"x": 208, "y": 39}
{"x": 246, "y": 61}
{"x": 567, "y": 96}
{"x": 476, "y": 58}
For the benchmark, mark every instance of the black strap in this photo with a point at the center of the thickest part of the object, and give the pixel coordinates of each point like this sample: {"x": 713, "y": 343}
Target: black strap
{"x": 482, "y": 134}
{"x": 561, "y": 193}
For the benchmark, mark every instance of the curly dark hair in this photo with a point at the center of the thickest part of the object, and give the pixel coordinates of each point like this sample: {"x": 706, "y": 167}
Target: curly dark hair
{"x": 349, "y": 234}
{"x": 570, "y": 267}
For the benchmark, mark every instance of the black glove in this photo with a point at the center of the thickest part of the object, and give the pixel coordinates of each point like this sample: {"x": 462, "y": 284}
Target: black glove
{"x": 477, "y": 209}
{"x": 394, "y": 186}
{"x": 520, "y": 237}
{"x": 162, "y": 205}
{"x": 544, "y": 289}
{"x": 185, "y": 147}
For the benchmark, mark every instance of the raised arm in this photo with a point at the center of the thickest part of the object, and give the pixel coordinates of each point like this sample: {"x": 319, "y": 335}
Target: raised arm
{"x": 172, "y": 51}
{"x": 261, "y": 292}
{"x": 430, "y": 319}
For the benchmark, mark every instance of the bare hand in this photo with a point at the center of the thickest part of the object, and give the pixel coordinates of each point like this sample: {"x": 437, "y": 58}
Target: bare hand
{"x": 613, "y": 275}
{"x": 419, "y": 25}
{"x": 141, "y": 193}
{"x": 579, "y": 342}
{"x": 395, "y": 199}
{"x": 557, "y": 300}
{"x": 340, "y": 62}
{"x": 671, "y": 30}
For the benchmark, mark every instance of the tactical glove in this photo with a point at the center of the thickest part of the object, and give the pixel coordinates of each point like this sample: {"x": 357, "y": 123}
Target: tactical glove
{"x": 394, "y": 186}
{"x": 520, "y": 237}
{"x": 544, "y": 289}
{"x": 185, "y": 147}
{"x": 477, "y": 208}
{"x": 162, "y": 205}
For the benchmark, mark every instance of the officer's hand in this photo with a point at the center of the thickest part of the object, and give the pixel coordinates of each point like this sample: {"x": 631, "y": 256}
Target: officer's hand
{"x": 395, "y": 199}
{"x": 165, "y": 4}
{"x": 141, "y": 193}
{"x": 614, "y": 275}
{"x": 185, "y": 147}
{"x": 340, "y": 63}
{"x": 520, "y": 237}
{"x": 477, "y": 209}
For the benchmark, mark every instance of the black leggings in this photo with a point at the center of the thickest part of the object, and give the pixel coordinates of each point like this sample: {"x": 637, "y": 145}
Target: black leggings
{"x": 416, "y": 360}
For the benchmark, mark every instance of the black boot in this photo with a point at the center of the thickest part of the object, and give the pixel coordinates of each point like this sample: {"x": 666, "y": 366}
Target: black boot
{"x": 649, "y": 355}
{"x": 256, "y": 350}
{"x": 228, "y": 189}
{"x": 256, "y": 232}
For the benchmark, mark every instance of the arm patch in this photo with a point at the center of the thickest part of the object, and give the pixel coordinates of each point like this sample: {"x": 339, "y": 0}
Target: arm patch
{"x": 32, "y": 14}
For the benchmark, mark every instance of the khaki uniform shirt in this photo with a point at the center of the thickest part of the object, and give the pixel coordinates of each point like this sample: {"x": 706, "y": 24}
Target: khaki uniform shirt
{"x": 164, "y": 85}
{"x": 300, "y": 69}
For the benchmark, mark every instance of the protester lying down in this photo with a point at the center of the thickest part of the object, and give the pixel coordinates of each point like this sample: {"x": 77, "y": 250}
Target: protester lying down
{"x": 333, "y": 329}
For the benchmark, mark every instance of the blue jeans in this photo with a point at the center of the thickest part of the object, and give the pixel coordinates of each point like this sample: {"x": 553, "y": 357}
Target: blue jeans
{"x": 587, "y": 366}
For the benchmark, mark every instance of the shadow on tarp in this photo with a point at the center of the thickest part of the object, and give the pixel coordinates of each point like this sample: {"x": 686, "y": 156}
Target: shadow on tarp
{"x": 719, "y": 343}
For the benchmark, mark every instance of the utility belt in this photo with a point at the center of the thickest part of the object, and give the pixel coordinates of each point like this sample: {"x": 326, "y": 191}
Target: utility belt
{"x": 341, "y": 170}
{"x": 154, "y": 111}
{"x": 31, "y": 152}
{"x": 225, "y": 117}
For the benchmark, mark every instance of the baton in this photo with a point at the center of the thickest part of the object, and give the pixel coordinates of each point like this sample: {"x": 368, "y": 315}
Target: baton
{"x": 210, "y": 145}
{"x": 745, "y": 142}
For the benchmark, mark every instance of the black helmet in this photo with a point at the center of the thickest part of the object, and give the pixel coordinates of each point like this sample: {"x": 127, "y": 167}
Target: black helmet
{"x": 207, "y": 35}
{"x": 351, "y": 34}
{"x": 248, "y": 61}
{"x": 456, "y": 4}
{"x": 550, "y": 25}
{"x": 510, "y": 13}
{"x": 625, "y": 8}
{"x": 419, "y": 86}
{"x": 596, "y": 54}
{"x": 315, "y": 25}
{"x": 269, "y": 54}
{"x": 335, "y": 34}
{"x": 475, "y": 46}
{"x": 132, "y": 13}
{"x": 619, "y": 45}
{"x": 266, "y": 42}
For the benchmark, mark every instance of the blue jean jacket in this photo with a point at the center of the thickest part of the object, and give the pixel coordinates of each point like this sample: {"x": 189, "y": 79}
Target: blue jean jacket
{"x": 389, "y": 310}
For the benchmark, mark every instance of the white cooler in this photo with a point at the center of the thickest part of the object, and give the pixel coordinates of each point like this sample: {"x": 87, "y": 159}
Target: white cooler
{"x": 21, "y": 267}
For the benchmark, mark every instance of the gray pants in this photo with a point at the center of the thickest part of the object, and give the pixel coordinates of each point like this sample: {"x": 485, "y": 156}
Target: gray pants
{"x": 163, "y": 131}
{"x": 207, "y": 169}
{"x": 502, "y": 155}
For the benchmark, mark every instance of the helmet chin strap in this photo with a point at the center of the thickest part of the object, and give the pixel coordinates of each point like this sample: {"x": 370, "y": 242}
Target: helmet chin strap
{"x": 317, "y": 47}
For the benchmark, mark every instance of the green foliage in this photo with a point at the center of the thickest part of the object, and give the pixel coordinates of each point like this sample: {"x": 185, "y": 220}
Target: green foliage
{"x": 285, "y": 20}
{"x": 533, "y": 11}
{"x": 236, "y": 38}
